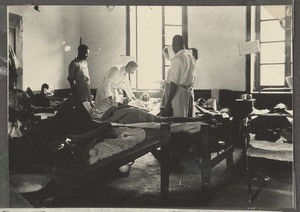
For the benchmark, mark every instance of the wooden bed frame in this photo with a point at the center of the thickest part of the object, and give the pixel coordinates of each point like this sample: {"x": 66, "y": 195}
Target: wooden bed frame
{"x": 205, "y": 161}
{"x": 158, "y": 143}
{"x": 61, "y": 185}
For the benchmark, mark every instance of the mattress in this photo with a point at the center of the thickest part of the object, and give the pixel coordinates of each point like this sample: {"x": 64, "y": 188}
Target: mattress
{"x": 189, "y": 127}
{"x": 129, "y": 135}
{"x": 278, "y": 150}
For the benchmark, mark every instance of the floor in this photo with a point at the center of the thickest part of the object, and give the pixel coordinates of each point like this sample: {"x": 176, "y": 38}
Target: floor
{"x": 272, "y": 185}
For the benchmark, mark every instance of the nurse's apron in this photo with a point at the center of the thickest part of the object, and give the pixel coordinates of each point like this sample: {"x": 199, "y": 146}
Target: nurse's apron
{"x": 182, "y": 102}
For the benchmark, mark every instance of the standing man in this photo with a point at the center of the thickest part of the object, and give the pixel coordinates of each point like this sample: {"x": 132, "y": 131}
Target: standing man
{"x": 178, "y": 91}
{"x": 79, "y": 77}
{"x": 112, "y": 84}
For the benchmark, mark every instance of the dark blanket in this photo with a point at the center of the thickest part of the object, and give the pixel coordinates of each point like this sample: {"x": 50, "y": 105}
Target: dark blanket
{"x": 127, "y": 115}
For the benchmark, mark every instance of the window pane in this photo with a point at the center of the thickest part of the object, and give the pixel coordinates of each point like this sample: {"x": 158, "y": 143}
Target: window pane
{"x": 167, "y": 62}
{"x": 167, "y": 68}
{"x": 133, "y": 42}
{"x": 170, "y": 31}
{"x": 12, "y": 37}
{"x": 271, "y": 31}
{"x": 272, "y": 75}
{"x": 149, "y": 46}
{"x": 272, "y": 52}
{"x": 272, "y": 12}
{"x": 173, "y": 15}
{"x": 265, "y": 14}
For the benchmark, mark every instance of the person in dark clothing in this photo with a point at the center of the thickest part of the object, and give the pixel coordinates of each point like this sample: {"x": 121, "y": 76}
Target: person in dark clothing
{"x": 78, "y": 75}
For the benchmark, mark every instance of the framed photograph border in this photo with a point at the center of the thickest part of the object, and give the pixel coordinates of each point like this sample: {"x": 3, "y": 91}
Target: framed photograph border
{"x": 4, "y": 185}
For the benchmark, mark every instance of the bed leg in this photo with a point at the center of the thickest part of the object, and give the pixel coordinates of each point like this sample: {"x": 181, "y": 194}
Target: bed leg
{"x": 164, "y": 166}
{"x": 248, "y": 179}
{"x": 165, "y": 175}
{"x": 205, "y": 156}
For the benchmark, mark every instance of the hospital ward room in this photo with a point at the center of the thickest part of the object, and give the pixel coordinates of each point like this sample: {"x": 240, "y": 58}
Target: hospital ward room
{"x": 185, "y": 107}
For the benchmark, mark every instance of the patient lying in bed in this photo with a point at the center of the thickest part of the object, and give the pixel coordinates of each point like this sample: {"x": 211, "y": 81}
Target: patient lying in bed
{"x": 71, "y": 118}
{"x": 126, "y": 115}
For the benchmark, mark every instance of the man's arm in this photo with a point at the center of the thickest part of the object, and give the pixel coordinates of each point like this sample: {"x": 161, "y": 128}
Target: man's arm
{"x": 128, "y": 90}
{"x": 108, "y": 90}
{"x": 72, "y": 85}
{"x": 71, "y": 77}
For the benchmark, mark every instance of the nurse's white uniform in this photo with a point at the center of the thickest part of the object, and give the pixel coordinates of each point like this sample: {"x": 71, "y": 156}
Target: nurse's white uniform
{"x": 183, "y": 73}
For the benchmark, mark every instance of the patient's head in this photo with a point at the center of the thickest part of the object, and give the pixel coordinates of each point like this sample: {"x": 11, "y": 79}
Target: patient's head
{"x": 46, "y": 90}
{"x": 131, "y": 67}
{"x": 44, "y": 86}
{"x": 144, "y": 97}
{"x": 83, "y": 52}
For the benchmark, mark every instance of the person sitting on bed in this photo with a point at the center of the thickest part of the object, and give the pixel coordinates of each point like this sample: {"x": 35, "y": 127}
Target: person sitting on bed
{"x": 126, "y": 114}
{"x": 112, "y": 84}
{"x": 43, "y": 99}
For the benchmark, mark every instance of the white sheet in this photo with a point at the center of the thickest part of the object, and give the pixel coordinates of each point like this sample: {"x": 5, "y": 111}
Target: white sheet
{"x": 190, "y": 127}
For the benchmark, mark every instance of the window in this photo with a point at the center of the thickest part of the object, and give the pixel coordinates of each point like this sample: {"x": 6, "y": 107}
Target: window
{"x": 12, "y": 38}
{"x": 151, "y": 29}
{"x": 274, "y": 61}
{"x": 172, "y": 25}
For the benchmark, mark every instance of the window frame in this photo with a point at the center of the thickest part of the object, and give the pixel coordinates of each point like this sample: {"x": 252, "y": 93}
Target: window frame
{"x": 288, "y": 48}
{"x": 130, "y": 51}
{"x": 184, "y": 29}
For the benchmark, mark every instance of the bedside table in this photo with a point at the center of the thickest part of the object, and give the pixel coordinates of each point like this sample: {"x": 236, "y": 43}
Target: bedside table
{"x": 243, "y": 107}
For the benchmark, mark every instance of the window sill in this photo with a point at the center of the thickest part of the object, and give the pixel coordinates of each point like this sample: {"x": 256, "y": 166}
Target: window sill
{"x": 147, "y": 90}
{"x": 272, "y": 92}
{"x": 285, "y": 90}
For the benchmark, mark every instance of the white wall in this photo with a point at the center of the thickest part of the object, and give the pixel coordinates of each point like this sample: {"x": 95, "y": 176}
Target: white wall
{"x": 43, "y": 55}
{"x": 104, "y": 33}
{"x": 48, "y": 32}
{"x": 216, "y": 32}
{"x": 71, "y": 20}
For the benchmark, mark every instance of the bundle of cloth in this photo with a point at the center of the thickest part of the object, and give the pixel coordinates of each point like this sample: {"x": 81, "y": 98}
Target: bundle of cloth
{"x": 270, "y": 134}
{"x": 273, "y": 128}
{"x": 20, "y": 116}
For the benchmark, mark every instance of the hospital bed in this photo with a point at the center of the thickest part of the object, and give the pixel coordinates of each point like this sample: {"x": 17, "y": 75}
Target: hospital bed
{"x": 157, "y": 141}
